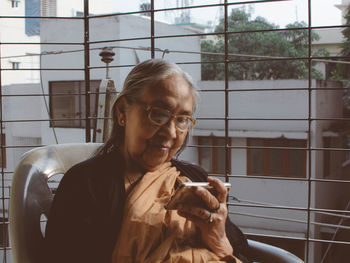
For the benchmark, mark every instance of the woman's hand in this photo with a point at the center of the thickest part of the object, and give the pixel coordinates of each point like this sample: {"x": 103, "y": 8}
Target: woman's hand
{"x": 211, "y": 221}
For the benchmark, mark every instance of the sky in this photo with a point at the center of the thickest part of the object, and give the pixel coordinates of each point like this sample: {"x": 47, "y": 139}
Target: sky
{"x": 323, "y": 13}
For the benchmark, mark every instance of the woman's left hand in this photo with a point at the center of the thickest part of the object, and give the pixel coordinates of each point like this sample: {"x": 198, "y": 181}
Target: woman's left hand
{"x": 211, "y": 221}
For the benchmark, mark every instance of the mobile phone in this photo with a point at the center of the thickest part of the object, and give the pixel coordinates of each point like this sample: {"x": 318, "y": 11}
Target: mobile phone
{"x": 185, "y": 194}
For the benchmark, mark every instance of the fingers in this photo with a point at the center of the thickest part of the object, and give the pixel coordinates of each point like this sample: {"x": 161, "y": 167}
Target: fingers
{"x": 198, "y": 215}
{"x": 220, "y": 188}
{"x": 210, "y": 200}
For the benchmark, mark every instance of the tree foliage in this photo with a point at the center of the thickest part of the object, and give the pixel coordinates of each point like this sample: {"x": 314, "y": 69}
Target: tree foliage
{"x": 344, "y": 69}
{"x": 250, "y": 46}
{"x": 145, "y": 7}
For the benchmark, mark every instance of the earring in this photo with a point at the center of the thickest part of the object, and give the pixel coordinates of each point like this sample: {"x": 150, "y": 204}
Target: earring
{"x": 122, "y": 122}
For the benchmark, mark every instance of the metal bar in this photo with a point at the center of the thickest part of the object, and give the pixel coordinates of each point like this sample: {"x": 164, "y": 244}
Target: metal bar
{"x": 292, "y": 221}
{"x": 201, "y": 91}
{"x": 23, "y": 146}
{"x": 327, "y": 241}
{"x": 273, "y": 147}
{"x": 52, "y": 69}
{"x": 282, "y": 207}
{"x": 298, "y": 179}
{"x": 275, "y": 236}
{"x": 152, "y": 29}
{"x": 298, "y": 238}
{"x": 201, "y": 146}
{"x": 272, "y": 119}
{"x": 226, "y": 94}
{"x": 309, "y": 186}
{"x": 339, "y": 226}
{"x": 3, "y": 156}
{"x": 120, "y": 40}
{"x": 40, "y": 43}
{"x": 54, "y": 95}
{"x": 43, "y": 17}
{"x": 87, "y": 70}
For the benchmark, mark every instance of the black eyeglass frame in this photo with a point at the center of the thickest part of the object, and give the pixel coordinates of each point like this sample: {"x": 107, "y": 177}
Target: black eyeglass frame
{"x": 149, "y": 108}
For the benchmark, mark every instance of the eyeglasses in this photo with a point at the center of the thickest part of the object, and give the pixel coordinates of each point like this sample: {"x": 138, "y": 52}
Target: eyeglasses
{"x": 160, "y": 116}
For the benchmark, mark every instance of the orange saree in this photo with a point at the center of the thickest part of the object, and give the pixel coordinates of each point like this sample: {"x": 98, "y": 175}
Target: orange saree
{"x": 150, "y": 233}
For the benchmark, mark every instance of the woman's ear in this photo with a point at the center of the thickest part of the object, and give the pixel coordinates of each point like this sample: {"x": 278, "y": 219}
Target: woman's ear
{"x": 121, "y": 111}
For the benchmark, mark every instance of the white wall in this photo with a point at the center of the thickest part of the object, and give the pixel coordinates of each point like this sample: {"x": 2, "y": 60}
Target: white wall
{"x": 251, "y": 100}
{"x": 23, "y": 109}
{"x": 13, "y": 30}
{"x": 68, "y": 7}
{"x": 123, "y": 27}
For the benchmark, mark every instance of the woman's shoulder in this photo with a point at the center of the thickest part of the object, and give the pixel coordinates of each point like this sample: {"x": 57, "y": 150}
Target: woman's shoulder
{"x": 190, "y": 170}
{"x": 96, "y": 166}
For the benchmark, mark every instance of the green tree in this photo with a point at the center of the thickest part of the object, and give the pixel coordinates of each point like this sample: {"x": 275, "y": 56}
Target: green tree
{"x": 145, "y": 7}
{"x": 344, "y": 69}
{"x": 253, "y": 46}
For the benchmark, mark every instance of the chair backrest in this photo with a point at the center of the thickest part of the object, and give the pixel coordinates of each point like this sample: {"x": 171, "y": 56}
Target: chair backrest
{"x": 31, "y": 198}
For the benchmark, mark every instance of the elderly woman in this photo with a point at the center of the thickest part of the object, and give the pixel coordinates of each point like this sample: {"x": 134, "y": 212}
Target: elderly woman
{"x": 111, "y": 208}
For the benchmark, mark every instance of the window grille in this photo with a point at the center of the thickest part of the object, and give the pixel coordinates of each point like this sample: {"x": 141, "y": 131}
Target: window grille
{"x": 280, "y": 137}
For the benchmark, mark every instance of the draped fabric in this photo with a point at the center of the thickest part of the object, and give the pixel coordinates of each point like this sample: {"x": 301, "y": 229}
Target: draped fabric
{"x": 150, "y": 233}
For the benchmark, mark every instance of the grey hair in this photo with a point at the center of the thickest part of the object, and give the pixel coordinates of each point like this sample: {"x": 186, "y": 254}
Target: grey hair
{"x": 149, "y": 72}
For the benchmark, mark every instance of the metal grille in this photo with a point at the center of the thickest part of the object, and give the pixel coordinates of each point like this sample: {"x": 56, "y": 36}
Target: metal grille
{"x": 257, "y": 125}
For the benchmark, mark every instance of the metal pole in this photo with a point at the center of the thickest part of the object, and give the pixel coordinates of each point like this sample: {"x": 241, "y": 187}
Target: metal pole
{"x": 227, "y": 157}
{"x": 87, "y": 70}
{"x": 2, "y": 149}
{"x": 152, "y": 28}
{"x": 309, "y": 186}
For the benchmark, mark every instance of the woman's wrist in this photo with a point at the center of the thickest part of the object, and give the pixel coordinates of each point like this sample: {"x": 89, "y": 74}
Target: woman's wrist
{"x": 225, "y": 249}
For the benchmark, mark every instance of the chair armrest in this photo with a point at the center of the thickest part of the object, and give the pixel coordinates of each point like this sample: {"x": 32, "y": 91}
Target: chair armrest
{"x": 262, "y": 252}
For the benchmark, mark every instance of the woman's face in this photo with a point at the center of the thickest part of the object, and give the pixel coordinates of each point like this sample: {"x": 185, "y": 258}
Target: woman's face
{"x": 146, "y": 145}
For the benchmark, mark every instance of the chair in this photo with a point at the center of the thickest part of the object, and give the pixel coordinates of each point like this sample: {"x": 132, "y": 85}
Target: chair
{"x": 31, "y": 198}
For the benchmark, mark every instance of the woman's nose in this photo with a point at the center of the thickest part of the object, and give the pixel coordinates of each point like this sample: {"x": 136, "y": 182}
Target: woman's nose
{"x": 169, "y": 129}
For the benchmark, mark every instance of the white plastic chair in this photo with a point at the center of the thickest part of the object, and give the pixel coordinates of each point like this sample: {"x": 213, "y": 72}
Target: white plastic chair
{"x": 31, "y": 198}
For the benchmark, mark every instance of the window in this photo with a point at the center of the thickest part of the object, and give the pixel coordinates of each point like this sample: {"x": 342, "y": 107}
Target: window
{"x": 67, "y": 103}
{"x": 331, "y": 70}
{"x": 212, "y": 158}
{"x": 48, "y": 7}
{"x": 15, "y": 65}
{"x": 32, "y": 25}
{"x": 4, "y": 237}
{"x": 2, "y": 152}
{"x": 276, "y": 157}
{"x": 326, "y": 157}
{"x": 79, "y": 13}
{"x": 14, "y": 3}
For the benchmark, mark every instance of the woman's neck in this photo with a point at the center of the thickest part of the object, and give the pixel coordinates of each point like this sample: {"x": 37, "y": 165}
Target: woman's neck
{"x": 131, "y": 177}
{"x": 132, "y": 171}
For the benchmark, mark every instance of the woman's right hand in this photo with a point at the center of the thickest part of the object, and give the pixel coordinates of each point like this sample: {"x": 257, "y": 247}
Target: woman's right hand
{"x": 211, "y": 221}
